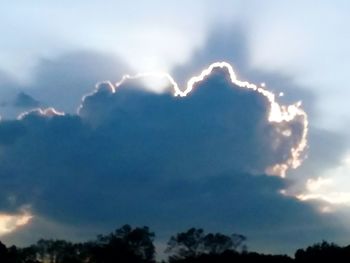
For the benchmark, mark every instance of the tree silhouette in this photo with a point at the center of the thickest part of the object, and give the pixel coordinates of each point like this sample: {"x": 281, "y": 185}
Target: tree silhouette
{"x": 194, "y": 242}
{"x": 3, "y": 252}
{"x": 186, "y": 244}
{"x": 219, "y": 243}
{"x": 124, "y": 245}
{"x": 323, "y": 252}
{"x": 135, "y": 245}
{"x": 56, "y": 251}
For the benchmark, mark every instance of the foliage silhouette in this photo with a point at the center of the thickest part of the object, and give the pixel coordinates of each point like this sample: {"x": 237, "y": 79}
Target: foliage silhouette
{"x": 135, "y": 245}
{"x": 124, "y": 245}
{"x": 194, "y": 242}
{"x": 323, "y": 252}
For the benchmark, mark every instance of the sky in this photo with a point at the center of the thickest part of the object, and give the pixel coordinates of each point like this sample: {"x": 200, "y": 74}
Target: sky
{"x": 116, "y": 112}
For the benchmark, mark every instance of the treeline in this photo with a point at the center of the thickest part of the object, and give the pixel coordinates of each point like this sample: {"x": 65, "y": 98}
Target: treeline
{"x": 135, "y": 245}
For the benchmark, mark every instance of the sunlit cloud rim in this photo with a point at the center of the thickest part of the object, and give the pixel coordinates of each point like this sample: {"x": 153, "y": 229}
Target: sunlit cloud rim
{"x": 48, "y": 112}
{"x": 277, "y": 114}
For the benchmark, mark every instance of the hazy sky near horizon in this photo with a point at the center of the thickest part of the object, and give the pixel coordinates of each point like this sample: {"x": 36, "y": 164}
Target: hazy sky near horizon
{"x": 53, "y": 53}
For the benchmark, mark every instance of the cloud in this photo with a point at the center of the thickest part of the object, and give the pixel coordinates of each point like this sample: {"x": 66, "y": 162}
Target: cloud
{"x": 227, "y": 42}
{"x": 170, "y": 162}
{"x": 10, "y": 222}
{"x": 25, "y": 101}
{"x": 280, "y": 121}
{"x": 8, "y": 92}
{"x": 59, "y": 81}
{"x": 327, "y": 148}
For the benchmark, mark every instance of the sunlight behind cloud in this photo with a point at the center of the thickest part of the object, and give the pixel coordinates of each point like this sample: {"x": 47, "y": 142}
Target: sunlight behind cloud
{"x": 331, "y": 188}
{"x": 156, "y": 49}
{"x": 281, "y": 115}
{"x": 10, "y": 222}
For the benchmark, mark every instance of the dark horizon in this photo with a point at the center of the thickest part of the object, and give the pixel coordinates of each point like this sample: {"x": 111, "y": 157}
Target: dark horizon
{"x": 136, "y": 244}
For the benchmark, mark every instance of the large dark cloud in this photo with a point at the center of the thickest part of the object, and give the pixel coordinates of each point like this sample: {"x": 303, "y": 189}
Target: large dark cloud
{"x": 132, "y": 156}
{"x": 326, "y": 148}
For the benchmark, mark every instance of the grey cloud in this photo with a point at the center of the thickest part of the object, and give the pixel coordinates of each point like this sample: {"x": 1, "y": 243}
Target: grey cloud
{"x": 230, "y": 43}
{"x": 60, "y": 82}
{"x": 326, "y": 150}
{"x": 171, "y": 163}
{"x": 8, "y": 92}
{"x": 25, "y": 101}
{"x": 136, "y": 157}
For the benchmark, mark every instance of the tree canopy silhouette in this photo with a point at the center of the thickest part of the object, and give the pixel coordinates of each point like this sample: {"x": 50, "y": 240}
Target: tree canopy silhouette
{"x": 124, "y": 245}
{"x": 135, "y": 245}
{"x": 323, "y": 252}
{"x": 194, "y": 242}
